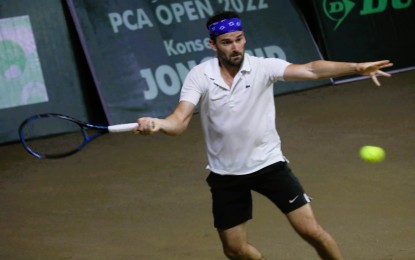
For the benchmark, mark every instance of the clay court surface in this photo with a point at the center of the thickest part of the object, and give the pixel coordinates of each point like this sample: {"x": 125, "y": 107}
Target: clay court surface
{"x": 133, "y": 197}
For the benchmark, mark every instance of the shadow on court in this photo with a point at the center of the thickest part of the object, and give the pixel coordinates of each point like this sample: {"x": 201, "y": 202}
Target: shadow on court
{"x": 132, "y": 197}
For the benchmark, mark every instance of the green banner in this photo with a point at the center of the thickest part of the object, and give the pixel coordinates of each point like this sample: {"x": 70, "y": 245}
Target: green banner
{"x": 365, "y": 30}
{"x": 39, "y": 72}
{"x": 21, "y": 77}
{"x": 141, "y": 51}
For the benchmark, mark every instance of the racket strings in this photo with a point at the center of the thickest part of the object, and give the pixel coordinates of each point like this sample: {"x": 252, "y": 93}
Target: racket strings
{"x": 49, "y": 137}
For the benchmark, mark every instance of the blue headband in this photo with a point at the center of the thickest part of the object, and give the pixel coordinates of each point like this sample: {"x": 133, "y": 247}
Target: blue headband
{"x": 225, "y": 26}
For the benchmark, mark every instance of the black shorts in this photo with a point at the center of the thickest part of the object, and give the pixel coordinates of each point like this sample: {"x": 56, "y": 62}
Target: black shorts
{"x": 232, "y": 198}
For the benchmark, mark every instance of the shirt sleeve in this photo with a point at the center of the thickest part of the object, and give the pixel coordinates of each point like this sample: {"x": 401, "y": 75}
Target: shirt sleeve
{"x": 275, "y": 68}
{"x": 192, "y": 88}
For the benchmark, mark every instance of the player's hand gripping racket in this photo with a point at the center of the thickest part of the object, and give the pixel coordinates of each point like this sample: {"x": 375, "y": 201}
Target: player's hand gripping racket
{"x": 50, "y": 136}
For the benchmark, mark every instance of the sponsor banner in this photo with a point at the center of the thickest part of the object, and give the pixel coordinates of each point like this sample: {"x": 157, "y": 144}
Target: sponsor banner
{"x": 38, "y": 70}
{"x": 21, "y": 77}
{"x": 141, "y": 51}
{"x": 365, "y": 30}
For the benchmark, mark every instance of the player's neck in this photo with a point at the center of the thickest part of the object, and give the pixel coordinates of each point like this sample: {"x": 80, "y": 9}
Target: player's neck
{"x": 230, "y": 68}
{"x": 228, "y": 74}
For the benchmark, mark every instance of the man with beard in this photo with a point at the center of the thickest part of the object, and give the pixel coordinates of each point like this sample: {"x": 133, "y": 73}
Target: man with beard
{"x": 235, "y": 91}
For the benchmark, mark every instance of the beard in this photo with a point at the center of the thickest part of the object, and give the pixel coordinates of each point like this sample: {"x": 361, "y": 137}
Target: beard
{"x": 234, "y": 60}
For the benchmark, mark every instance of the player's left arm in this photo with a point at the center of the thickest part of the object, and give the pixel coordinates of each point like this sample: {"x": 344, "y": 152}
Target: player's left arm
{"x": 322, "y": 69}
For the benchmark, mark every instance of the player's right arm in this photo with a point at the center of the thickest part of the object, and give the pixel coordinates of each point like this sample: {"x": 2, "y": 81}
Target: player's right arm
{"x": 322, "y": 69}
{"x": 174, "y": 124}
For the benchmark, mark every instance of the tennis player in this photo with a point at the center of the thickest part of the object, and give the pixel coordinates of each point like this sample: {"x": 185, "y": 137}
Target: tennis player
{"x": 235, "y": 92}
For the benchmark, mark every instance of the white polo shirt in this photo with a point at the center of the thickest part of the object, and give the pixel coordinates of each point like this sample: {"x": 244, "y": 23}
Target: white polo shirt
{"x": 238, "y": 122}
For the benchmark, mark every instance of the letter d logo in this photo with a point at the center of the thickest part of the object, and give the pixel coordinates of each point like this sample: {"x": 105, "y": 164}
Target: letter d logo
{"x": 337, "y": 10}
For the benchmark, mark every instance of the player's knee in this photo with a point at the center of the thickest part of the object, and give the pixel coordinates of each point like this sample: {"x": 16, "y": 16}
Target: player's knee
{"x": 234, "y": 251}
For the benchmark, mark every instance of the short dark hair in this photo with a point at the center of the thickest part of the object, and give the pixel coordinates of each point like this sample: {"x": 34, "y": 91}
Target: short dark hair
{"x": 219, "y": 17}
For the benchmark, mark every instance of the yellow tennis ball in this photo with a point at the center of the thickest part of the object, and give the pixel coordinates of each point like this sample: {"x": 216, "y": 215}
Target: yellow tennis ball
{"x": 372, "y": 154}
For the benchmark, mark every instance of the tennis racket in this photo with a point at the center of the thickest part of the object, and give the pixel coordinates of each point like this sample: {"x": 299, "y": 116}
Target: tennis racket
{"x": 51, "y": 136}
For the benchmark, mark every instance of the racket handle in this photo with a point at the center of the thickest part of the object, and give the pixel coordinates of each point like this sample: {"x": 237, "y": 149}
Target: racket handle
{"x": 122, "y": 127}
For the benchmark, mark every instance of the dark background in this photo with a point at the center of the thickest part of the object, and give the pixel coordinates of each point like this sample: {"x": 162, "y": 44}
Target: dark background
{"x": 73, "y": 90}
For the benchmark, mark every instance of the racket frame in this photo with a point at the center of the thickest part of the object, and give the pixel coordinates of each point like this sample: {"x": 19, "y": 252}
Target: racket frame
{"x": 83, "y": 126}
